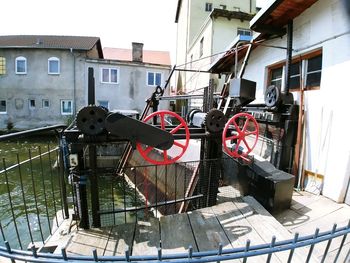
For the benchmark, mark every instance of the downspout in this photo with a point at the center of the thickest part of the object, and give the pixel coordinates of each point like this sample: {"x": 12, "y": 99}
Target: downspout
{"x": 289, "y": 56}
{"x": 250, "y": 6}
{"x": 74, "y": 84}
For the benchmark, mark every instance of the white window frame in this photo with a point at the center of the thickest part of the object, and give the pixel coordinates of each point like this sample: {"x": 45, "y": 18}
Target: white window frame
{"x": 208, "y": 7}
{"x": 99, "y": 103}
{"x": 30, "y": 104}
{"x": 154, "y": 78}
{"x": 3, "y": 66}
{"x": 61, "y": 106}
{"x": 4, "y": 112}
{"x": 244, "y": 30}
{"x": 58, "y": 66}
{"x": 25, "y": 65}
{"x": 43, "y": 104}
{"x": 109, "y": 75}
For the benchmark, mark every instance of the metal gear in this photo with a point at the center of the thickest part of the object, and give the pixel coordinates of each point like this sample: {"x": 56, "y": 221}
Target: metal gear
{"x": 215, "y": 121}
{"x": 91, "y": 119}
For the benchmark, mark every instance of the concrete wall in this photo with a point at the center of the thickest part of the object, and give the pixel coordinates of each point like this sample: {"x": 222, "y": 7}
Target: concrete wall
{"x": 132, "y": 90}
{"x": 324, "y": 25}
{"x": 37, "y": 84}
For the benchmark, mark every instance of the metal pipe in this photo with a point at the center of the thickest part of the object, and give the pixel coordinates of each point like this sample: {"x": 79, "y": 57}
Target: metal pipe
{"x": 289, "y": 56}
{"x": 20, "y": 134}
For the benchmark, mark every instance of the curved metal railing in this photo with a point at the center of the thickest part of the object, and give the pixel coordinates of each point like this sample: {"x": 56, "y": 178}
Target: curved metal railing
{"x": 206, "y": 256}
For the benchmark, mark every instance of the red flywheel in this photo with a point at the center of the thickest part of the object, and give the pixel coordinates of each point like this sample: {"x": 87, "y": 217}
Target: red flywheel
{"x": 240, "y": 135}
{"x": 179, "y": 146}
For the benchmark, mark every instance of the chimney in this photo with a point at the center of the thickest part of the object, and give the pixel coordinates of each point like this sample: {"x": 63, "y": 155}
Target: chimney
{"x": 137, "y": 52}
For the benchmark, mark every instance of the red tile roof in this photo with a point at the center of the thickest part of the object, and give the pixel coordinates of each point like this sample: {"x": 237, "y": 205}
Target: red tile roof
{"x": 152, "y": 57}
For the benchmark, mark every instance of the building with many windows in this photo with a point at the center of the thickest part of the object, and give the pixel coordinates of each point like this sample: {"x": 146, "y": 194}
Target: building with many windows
{"x": 42, "y": 78}
{"x": 126, "y": 78}
{"x": 205, "y": 28}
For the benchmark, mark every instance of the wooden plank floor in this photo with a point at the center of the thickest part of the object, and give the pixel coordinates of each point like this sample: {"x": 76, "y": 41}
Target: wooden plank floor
{"x": 230, "y": 223}
{"x": 308, "y": 212}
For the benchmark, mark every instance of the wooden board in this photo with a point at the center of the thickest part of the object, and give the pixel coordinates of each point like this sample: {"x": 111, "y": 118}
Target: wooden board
{"x": 238, "y": 229}
{"x": 176, "y": 234}
{"x": 267, "y": 226}
{"x": 120, "y": 239}
{"x": 147, "y": 237}
{"x": 207, "y": 230}
{"x": 85, "y": 241}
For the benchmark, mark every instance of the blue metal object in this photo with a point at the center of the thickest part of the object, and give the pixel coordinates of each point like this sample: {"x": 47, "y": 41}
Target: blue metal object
{"x": 190, "y": 256}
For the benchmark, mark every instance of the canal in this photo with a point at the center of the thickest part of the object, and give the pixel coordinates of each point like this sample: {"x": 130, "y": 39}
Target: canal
{"x": 30, "y": 191}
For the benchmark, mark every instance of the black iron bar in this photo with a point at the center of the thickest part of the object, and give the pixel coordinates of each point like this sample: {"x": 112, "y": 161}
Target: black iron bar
{"x": 24, "y": 200}
{"x": 166, "y": 188}
{"x": 158, "y": 204}
{"x": 94, "y": 187}
{"x": 156, "y": 171}
{"x": 52, "y": 188}
{"x": 34, "y": 192}
{"x": 20, "y": 134}
{"x": 2, "y": 232}
{"x": 59, "y": 169}
{"x": 63, "y": 181}
{"x": 135, "y": 186}
{"x": 25, "y": 161}
{"x": 112, "y": 192}
{"x": 175, "y": 186}
{"x": 11, "y": 204}
{"x": 44, "y": 190}
{"x": 124, "y": 196}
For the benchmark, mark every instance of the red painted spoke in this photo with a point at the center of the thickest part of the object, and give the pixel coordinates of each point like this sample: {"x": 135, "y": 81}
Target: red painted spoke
{"x": 246, "y": 144}
{"x": 148, "y": 149}
{"x": 245, "y": 125}
{"x": 162, "y": 122}
{"x": 231, "y": 138}
{"x": 236, "y": 126}
{"x": 176, "y": 128}
{"x": 179, "y": 144}
{"x": 250, "y": 133}
{"x": 165, "y": 154}
{"x": 237, "y": 145}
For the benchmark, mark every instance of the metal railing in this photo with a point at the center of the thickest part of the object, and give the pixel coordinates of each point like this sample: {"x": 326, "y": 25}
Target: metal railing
{"x": 33, "y": 194}
{"x": 244, "y": 253}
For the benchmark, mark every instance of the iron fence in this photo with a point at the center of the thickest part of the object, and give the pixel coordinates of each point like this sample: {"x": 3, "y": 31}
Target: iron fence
{"x": 243, "y": 253}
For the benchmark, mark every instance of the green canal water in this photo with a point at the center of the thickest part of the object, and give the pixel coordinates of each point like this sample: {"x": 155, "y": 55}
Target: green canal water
{"x": 31, "y": 192}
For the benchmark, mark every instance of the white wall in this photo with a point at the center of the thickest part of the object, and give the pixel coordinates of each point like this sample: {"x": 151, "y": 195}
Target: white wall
{"x": 324, "y": 25}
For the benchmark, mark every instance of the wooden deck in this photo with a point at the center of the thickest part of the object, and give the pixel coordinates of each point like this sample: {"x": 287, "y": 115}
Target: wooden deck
{"x": 230, "y": 223}
{"x": 308, "y": 212}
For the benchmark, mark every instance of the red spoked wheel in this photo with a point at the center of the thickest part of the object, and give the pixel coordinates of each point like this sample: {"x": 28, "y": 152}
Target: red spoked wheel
{"x": 244, "y": 135}
{"x": 179, "y": 146}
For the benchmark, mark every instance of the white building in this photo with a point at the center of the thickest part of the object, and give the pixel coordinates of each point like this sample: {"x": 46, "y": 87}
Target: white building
{"x": 203, "y": 29}
{"x": 320, "y": 67}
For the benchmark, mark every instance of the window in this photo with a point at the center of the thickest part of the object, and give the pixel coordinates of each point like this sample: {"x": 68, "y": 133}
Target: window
{"x": 154, "y": 79}
{"x": 244, "y": 32}
{"x": 46, "y": 103}
{"x": 104, "y": 103}
{"x": 208, "y": 7}
{"x": 201, "y": 47}
{"x": 223, "y": 7}
{"x": 66, "y": 107}
{"x": 31, "y": 104}
{"x": 109, "y": 75}
{"x": 53, "y": 65}
{"x": 308, "y": 67}
{"x": 2, "y": 66}
{"x": 3, "y": 106}
{"x": 21, "y": 65}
